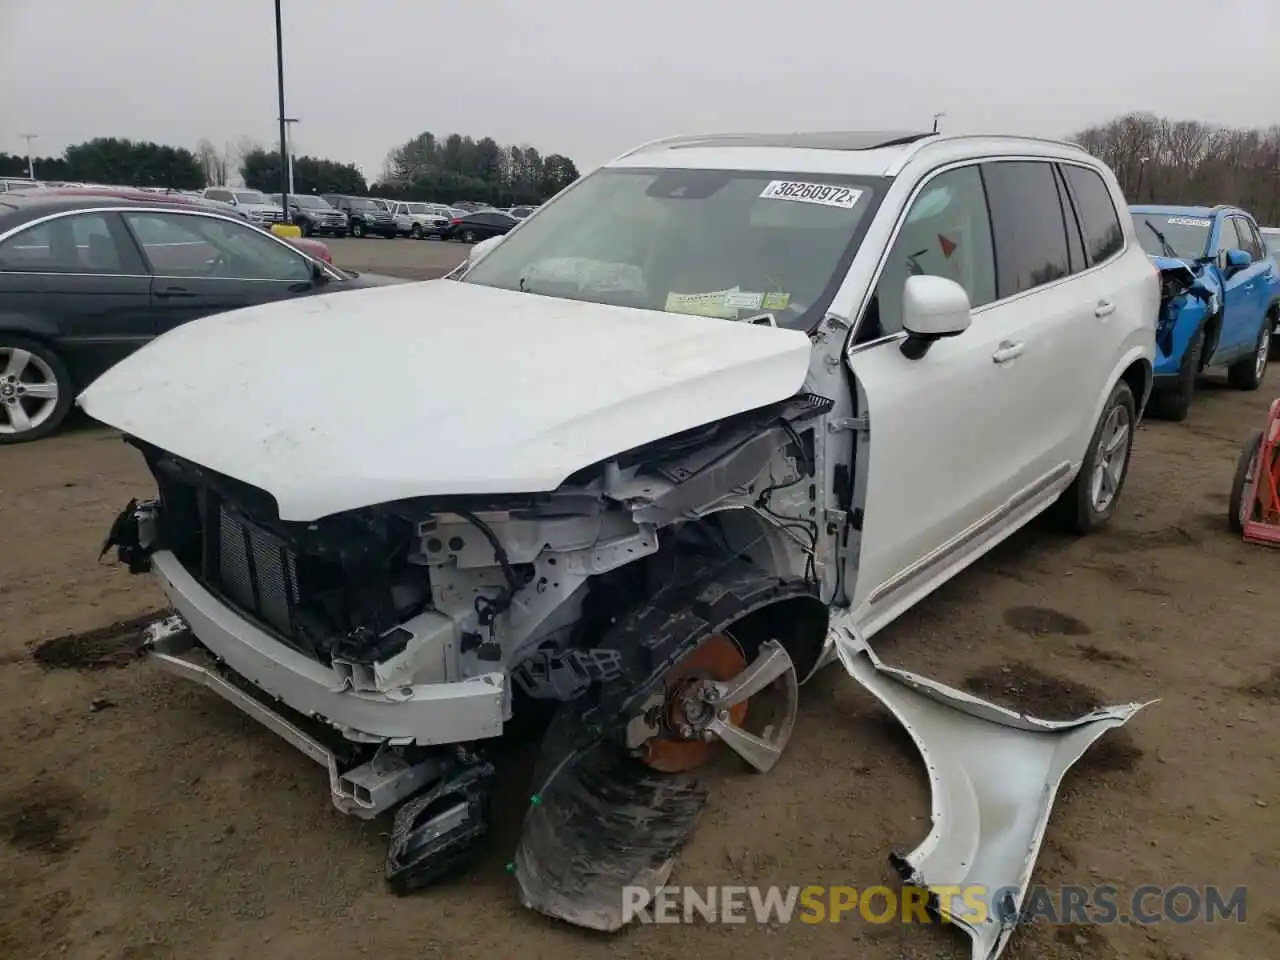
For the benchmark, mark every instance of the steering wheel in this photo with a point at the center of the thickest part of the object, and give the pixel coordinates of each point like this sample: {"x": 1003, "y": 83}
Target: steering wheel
{"x": 221, "y": 262}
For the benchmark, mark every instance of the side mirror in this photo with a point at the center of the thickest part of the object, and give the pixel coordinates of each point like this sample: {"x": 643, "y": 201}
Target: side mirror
{"x": 1235, "y": 261}
{"x": 932, "y": 308}
{"x": 318, "y": 275}
{"x": 484, "y": 248}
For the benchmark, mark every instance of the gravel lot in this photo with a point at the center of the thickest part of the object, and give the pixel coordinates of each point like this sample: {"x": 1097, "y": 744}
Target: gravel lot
{"x": 143, "y": 818}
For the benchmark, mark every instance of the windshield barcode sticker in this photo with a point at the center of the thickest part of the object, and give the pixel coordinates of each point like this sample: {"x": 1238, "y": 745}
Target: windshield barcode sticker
{"x": 824, "y": 193}
{"x": 1191, "y": 222}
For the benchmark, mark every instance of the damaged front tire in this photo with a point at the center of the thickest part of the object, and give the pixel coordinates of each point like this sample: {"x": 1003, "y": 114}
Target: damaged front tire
{"x": 618, "y": 785}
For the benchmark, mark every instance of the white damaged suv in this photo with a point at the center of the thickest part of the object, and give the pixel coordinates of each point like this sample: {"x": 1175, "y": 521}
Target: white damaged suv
{"x": 636, "y": 464}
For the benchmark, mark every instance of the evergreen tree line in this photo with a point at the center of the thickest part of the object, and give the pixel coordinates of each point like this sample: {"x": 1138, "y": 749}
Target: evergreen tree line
{"x": 424, "y": 168}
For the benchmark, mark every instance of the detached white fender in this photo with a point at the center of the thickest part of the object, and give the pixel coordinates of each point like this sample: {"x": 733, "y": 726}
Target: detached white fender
{"x": 993, "y": 774}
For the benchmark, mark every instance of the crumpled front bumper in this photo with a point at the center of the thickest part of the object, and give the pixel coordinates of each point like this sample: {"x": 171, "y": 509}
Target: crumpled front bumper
{"x": 993, "y": 774}
{"x": 425, "y": 714}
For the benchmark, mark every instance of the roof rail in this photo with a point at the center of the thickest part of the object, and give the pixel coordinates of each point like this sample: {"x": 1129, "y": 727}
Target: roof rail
{"x": 913, "y": 148}
{"x": 892, "y": 139}
{"x": 680, "y": 138}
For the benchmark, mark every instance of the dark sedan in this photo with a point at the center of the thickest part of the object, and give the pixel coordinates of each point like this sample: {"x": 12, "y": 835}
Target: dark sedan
{"x": 85, "y": 281}
{"x": 480, "y": 225}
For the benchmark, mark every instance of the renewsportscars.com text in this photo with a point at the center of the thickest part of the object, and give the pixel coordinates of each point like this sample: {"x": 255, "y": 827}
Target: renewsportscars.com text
{"x": 1105, "y": 904}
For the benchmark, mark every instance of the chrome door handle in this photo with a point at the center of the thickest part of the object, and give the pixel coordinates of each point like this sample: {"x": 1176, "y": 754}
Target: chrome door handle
{"x": 1008, "y": 351}
{"x": 1104, "y": 309}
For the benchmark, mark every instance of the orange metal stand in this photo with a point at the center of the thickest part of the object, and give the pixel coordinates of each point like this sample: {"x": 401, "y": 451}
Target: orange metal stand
{"x": 1263, "y": 492}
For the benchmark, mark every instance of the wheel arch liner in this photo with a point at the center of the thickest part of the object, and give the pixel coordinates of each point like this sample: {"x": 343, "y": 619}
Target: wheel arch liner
{"x": 993, "y": 776}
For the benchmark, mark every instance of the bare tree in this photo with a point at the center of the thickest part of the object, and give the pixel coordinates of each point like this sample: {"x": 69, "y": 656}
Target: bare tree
{"x": 1190, "y": 162}
{"x": 233, "y": 155}
{"x": 213, "y": 163}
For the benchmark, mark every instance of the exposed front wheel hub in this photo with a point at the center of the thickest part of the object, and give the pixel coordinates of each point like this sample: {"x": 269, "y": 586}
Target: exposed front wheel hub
{"x": 703, "y": 706}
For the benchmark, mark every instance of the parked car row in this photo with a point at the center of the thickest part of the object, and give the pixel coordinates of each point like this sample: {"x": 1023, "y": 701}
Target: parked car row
{"x": 333, "y": 214}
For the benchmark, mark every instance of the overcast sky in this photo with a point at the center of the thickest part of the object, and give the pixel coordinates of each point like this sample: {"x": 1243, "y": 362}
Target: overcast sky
{"x": 589, "y": 78}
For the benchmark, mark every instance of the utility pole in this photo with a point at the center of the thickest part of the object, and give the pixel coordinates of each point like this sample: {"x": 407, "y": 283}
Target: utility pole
{"x": 31, "y": 168}
{"x": 936, "y": 118}
{"x": 287, "y": 150}
{"x": 285, "y": 185}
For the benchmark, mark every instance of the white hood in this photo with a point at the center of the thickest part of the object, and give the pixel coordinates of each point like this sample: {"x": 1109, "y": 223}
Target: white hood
{"x": 340, "y": 401}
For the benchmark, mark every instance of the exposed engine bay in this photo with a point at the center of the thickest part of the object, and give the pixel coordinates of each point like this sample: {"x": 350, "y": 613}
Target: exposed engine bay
{"x": 1184, "y": 287}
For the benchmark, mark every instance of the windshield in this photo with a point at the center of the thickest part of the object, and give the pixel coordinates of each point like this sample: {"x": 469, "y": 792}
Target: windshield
{"x": 417, "y": 208}
{"x": 1171, "y": 235}
{"x": 315, "y": 203}
{"x": 714, "y": 243}
{"x": 358, "y": 204}
{"x": 252, "y": 196}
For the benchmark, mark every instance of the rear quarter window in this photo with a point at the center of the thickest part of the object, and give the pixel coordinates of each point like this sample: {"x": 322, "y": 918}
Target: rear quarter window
{"x": 1096, "y": 212}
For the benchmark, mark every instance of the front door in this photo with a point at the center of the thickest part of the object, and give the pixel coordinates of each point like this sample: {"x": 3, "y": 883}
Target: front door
{"x": 941, "y": 458}
{"x": 205, "y": 264}
{"x": 1243, "y": 293}
{"x": 78, "y": 282}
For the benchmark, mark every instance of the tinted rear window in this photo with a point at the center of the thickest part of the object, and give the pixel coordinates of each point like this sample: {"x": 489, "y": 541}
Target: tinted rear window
{"x": 1027, "y": 223}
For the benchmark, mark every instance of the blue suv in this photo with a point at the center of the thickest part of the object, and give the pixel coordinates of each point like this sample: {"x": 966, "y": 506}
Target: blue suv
{"x": 1220, "y": 298}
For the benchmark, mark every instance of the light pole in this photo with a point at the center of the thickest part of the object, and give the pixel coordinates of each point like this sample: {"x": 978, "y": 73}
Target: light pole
{"x": 287, "y": 149}
{"x": 1142, "y": 170}
{"x": 285, "y": 185}
{"x": 936, "y": 118}
{"x": 31, "y": 168}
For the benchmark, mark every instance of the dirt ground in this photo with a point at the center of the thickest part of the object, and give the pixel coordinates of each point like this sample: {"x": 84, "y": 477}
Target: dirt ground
{"x": 143, "y": 818}
{"x": 402, "y": 257}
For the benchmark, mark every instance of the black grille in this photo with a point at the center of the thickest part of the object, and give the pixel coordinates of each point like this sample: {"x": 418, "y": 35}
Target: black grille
{"x": 257, "y": 572}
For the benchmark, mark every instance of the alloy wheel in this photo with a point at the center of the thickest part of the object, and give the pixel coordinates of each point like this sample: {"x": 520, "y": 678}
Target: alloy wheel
{"x": 28, "y": 391}
{"x": 1110, "y": 458}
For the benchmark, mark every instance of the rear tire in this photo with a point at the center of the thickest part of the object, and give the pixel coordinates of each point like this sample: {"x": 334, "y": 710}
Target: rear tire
{"x": 23, "y": 364}
{"x": 468, "y": 236}
{"x": 1081, "y": 510}
{"x": 1245, "y": 467}
{"x": 1247, "y": 374}
{"x": 416, "y": 232}
{"x": 1176, "y": 404}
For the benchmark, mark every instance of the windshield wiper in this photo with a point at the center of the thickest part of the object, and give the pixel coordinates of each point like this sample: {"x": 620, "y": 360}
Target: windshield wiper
{"x": 1165, "y": 246}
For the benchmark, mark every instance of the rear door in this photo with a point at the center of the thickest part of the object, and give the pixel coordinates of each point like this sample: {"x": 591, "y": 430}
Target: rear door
{"x": 1262, "y": 277}
{"x": 203, "y": 265}
{"x": 1047, "y": 315}
{"x": 1112, "y": 288}
{"x": 78, "y": 281}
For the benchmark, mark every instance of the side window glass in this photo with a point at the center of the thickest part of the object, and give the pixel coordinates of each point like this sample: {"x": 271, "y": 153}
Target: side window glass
{"x": 77, "y": 244}
{"x": 1030, "y": 234}
{"x": 180, "y": 245}
{"x": 1227, "y": 236}
{"x": 1099, "y": 222}
{"x": 1235, "y": 236}
{"x": 1249, "y": 235}
{"x": 946, "y": 233}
